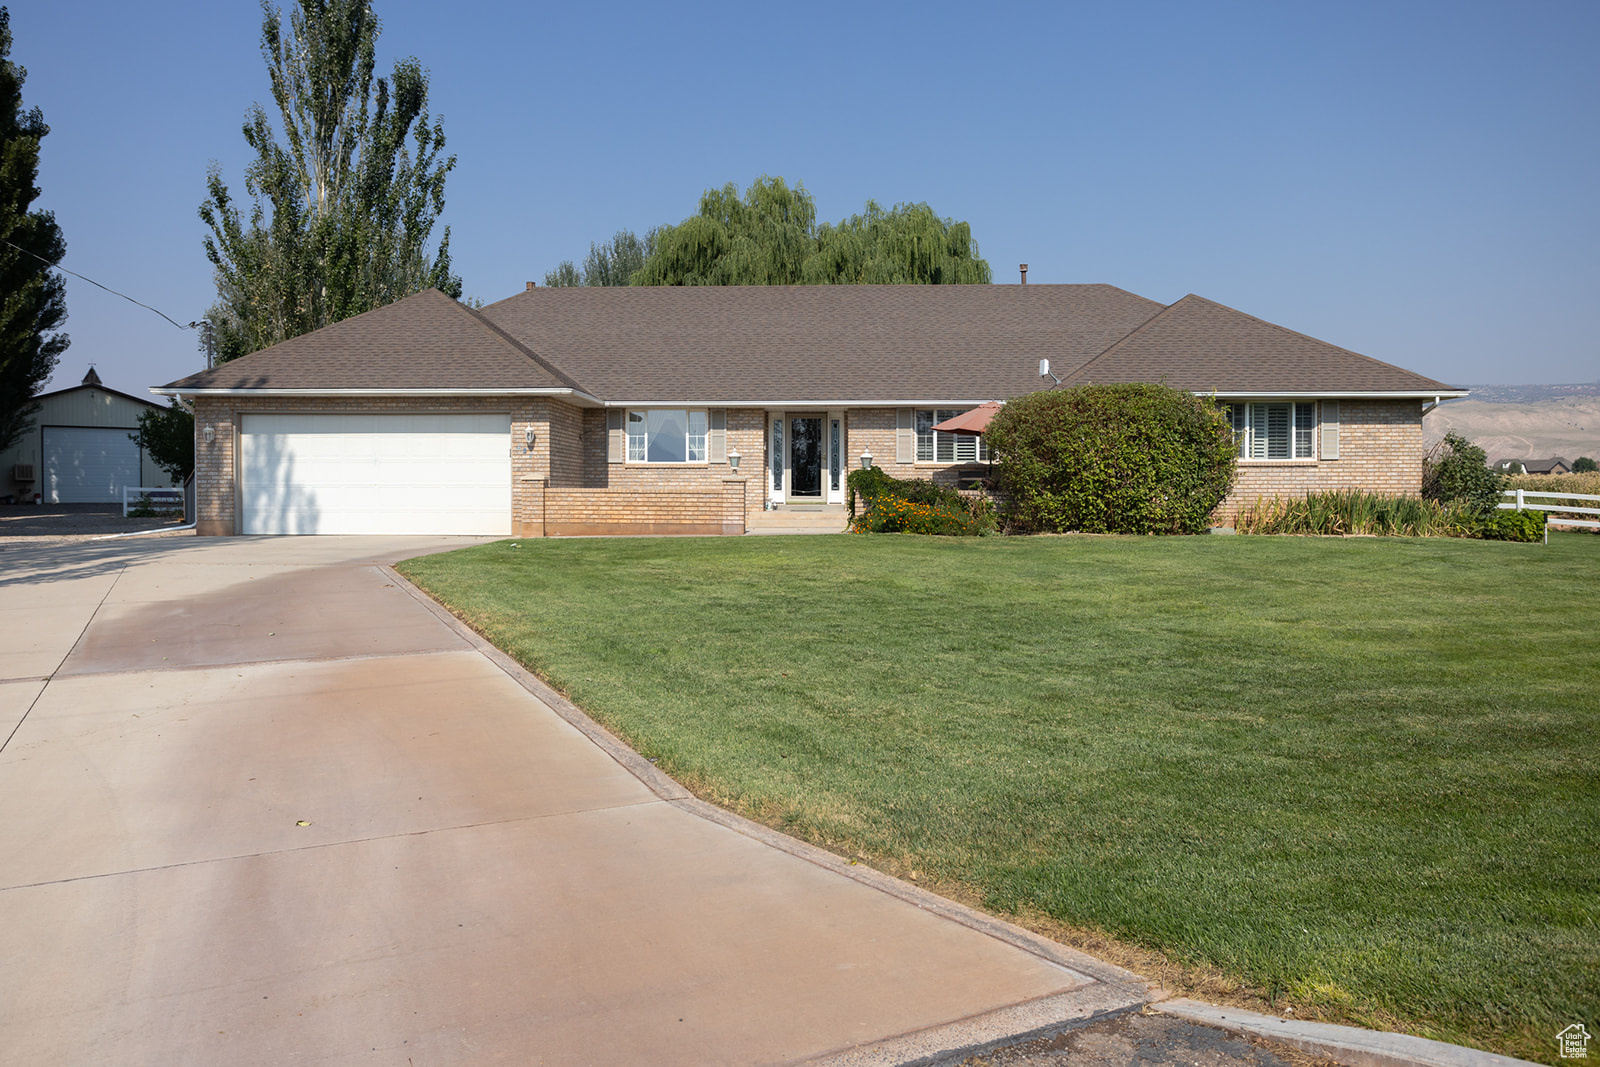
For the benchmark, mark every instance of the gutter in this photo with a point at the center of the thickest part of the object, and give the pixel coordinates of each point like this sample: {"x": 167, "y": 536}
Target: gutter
{"x": 562, "y": 391}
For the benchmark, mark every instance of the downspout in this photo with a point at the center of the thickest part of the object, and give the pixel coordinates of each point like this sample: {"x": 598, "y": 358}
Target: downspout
{"x": 1429, "y": 407}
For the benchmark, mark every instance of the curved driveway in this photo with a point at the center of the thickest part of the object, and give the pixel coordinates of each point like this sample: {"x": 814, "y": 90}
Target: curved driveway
{"x": 260, "y": 803}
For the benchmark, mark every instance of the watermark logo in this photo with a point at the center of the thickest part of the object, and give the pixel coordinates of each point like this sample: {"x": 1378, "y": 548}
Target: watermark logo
{"x": 1573, "y": 1043}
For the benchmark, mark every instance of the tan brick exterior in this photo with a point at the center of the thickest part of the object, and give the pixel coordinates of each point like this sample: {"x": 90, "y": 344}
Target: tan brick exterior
{"x": 1380, "y": 449}
{"x": 565, "y": 486}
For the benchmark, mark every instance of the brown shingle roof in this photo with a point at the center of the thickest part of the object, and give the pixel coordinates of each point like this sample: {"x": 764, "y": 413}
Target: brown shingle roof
{"x": 426, "y": 341}
{"x": 821, "y": 343}
{"x": 774, "y": 345}
{"x": 1202, "y": 346}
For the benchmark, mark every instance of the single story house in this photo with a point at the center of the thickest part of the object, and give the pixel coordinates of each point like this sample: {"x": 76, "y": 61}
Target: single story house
{"x": 1553, "y": 465}
{"x": 79, "y": 451}
{"x": 704, "y": 409}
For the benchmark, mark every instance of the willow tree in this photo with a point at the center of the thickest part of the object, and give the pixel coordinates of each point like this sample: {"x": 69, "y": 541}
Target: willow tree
{"x": 34, "y": 300}
{"x": 343, "y": 207}
{"x": 770, "y": 236}
{"x": 908, "y": 245}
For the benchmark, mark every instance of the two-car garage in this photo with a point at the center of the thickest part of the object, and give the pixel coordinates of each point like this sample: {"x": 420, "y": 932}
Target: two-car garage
{"x": 375, "y": 473}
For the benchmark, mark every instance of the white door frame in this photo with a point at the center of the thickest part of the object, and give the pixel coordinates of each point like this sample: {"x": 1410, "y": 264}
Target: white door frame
{"x": 779, "y": 475}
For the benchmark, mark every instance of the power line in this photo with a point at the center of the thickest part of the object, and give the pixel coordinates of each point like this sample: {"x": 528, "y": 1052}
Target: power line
{"x": 107, "y": 288}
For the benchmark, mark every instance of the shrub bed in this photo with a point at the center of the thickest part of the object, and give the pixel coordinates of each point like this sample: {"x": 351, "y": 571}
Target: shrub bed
{"x": 1356, "y": 512}
{"x": 914, "y": 505}
{"x": 890, "y": 514}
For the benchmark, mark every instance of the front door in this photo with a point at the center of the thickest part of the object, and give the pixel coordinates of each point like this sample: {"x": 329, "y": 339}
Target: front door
{"x": 805, "y": 456}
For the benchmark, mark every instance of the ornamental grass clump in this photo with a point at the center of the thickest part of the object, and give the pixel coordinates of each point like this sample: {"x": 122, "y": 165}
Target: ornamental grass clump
{"x": 1356, "y": 512}
{"x": 1129, "y": 458}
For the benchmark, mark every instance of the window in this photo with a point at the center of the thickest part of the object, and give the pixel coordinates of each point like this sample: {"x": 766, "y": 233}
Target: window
{"x": 1278, "y": 430}
{"x": 936, "y": 447}
{"x": 667, "y": 436}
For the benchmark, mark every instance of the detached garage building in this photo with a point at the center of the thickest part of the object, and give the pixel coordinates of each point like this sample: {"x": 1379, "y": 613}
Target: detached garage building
{"x": 78, "y": 451}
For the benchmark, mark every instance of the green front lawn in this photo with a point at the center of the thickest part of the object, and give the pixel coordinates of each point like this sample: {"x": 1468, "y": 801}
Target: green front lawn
{"x": 1361, "y": 776}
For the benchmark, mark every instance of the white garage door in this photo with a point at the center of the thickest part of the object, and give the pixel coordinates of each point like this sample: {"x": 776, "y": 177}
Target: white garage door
{"x": 339, "y": 474}
{"x": 88, "y": 465}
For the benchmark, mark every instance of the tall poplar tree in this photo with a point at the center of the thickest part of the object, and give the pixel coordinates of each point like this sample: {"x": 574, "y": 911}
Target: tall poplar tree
{"x": 612, "y": 263}
{"x": 343, "y": 209}
{"x": 33, "y": 300}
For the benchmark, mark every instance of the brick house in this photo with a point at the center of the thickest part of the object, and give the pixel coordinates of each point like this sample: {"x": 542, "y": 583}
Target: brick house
{"x": 710, "y": 410}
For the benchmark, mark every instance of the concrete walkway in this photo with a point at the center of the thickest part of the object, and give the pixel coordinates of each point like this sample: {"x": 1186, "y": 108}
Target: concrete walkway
{"x": 260, "y": 804}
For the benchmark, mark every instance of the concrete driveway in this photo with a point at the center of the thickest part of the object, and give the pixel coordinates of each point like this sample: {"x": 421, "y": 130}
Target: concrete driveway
{"x": 260, "y": 803}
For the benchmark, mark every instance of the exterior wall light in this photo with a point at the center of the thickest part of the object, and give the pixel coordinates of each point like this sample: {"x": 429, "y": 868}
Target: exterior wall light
{"x": 866, "y": 458}
{"x": 209, "y": 433}
{"x": 527, "y": 435}
{"x": 733, "y": 459}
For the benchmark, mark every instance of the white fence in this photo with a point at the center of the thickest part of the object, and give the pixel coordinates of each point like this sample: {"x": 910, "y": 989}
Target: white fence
{"x": 163, "y": 499}
{"x": 1522, "y": 503}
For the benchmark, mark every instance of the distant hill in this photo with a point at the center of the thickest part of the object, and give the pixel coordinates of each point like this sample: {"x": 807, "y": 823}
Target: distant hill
{"x": 1530, "y": 394}
{"x": 1523, "y": 421}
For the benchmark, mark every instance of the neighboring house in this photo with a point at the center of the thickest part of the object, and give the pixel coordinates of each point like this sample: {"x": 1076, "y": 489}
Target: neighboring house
{"x": 1554, "y": 465}
{"x": 78, "y": 451}
{"x": 692, "y": 410}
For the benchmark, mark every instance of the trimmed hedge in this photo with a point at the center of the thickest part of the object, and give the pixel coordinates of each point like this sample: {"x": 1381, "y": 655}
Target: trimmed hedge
{"x": 1129, "y": 458}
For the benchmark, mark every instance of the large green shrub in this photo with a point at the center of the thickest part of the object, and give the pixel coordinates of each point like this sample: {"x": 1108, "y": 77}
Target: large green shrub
{"x": 1133, "y": 458}
{"x": 1457, "y": 471}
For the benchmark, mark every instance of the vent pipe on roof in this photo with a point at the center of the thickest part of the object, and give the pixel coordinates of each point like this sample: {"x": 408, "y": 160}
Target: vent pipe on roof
{"x": 1024, "y": 268}
{"x": 531, "y": 285}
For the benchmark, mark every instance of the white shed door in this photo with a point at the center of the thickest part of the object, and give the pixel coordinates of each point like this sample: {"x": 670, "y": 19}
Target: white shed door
{"x": 88, "y": 465}
{"x": 387, "y": 474}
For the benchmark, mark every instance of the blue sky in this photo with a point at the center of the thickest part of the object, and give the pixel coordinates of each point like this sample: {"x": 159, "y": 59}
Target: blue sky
{"x": 1418, "y": 181}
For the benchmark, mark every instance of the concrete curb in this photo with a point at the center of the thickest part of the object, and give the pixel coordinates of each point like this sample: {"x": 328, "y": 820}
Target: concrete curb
{"x": 1349, "y": 1045}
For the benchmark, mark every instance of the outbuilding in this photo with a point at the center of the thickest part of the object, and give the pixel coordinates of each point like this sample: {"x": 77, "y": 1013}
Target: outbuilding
{"x": 79, "y": 450}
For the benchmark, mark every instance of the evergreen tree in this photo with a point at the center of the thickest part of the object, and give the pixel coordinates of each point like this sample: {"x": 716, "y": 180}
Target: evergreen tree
{"x": 343, "y": 210}
{"x": 34, "y": 302}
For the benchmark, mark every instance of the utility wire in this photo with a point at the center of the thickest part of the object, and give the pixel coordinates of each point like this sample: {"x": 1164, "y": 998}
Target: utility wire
{"x": 91, "y": 281}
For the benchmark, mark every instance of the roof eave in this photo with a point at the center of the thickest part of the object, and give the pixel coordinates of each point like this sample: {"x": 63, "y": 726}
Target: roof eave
{"x": 577, "y": 396}
{"x": 1334, "y": 394}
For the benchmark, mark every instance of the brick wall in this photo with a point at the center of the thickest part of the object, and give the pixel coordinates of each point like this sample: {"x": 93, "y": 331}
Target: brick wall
{"x": 1380, "y": 449}
{"x": 214, "y": 489}
{"x": 875, "y": 429}
{"x": 699, "y": 509}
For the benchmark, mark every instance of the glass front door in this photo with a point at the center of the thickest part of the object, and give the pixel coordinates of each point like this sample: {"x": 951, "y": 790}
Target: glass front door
{"x": 805, "y": 456}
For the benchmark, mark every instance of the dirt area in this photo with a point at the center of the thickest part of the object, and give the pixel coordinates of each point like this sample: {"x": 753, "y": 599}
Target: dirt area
{"x": 49, "y": 524}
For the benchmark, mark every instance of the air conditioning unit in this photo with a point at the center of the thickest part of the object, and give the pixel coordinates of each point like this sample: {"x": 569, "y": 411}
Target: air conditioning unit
{"x": 22, "y": 472}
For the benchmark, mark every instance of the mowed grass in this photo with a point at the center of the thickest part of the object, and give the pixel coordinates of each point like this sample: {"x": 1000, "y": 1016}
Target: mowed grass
{"x": 1358, "y": 775}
